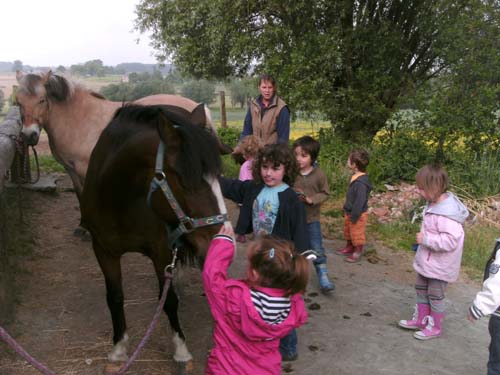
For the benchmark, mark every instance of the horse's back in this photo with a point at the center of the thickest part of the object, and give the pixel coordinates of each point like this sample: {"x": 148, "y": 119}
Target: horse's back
{"x": 167, "y": 99}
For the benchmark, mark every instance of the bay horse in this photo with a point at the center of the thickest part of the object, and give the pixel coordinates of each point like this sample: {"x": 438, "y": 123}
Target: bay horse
{"x": 143, "y": 144}
{"x": 74, "y": 117}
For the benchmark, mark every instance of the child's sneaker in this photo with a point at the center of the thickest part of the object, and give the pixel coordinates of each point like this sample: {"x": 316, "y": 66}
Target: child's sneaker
{"x": 417, "y": 322}
{"x": 433, "y": 327}
{"x": 241, "y": 238}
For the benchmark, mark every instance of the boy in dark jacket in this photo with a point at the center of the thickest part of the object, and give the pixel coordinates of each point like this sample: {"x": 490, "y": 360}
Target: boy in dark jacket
{"x": 356, "y": 206}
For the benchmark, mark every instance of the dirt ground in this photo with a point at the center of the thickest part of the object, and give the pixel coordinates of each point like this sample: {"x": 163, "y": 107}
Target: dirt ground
{"x": 62, "y": 318}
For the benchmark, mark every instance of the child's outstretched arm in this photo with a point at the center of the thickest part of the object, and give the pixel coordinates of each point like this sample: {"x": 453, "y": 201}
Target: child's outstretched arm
{"x": 219, "y": 257}
{"x": 488, "y": 299}
{"x": 234, "y": 189}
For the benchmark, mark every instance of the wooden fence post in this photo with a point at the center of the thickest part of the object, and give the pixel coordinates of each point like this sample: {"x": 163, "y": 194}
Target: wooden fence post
{"x": 223, "y": 119}
{"x": 9, "y": 130}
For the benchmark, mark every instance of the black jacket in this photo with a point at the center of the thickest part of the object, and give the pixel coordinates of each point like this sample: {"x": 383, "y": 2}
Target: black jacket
{"x": 356, "y": 201}
{"x": 291, "y": 218}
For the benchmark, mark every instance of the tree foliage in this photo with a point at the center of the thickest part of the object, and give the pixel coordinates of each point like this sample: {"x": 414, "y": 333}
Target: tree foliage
{"x": 242, "y": 90}
{"x": 17, "y": 65}
{"x": 354, "y": 61}
{"x": 201, "y": 91}
{"x": 139, "y": 86}
{"x": 93, "y": 68}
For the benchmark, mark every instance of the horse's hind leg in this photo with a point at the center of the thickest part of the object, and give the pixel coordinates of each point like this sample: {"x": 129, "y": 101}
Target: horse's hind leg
{"x": 111, "y": 269}
{"x": 182, "y": 354}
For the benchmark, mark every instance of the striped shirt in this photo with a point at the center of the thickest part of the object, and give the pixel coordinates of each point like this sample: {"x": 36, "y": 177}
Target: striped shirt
{"x": 272, "y": 310}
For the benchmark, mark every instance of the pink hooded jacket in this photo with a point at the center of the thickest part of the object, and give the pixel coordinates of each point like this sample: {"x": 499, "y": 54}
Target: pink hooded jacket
{"x": 243, "y": 342}
{"x": 440, "y": 254}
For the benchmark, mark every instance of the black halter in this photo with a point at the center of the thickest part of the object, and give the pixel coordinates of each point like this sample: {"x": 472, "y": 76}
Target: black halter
{"x": 186, "y": 223}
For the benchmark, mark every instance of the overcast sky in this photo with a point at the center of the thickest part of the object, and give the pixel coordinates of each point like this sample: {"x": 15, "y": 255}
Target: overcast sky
{"x": 66, "y": 32}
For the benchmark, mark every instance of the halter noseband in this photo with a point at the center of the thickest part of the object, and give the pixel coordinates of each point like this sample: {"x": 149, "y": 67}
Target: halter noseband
{"x": 186, "y": 223}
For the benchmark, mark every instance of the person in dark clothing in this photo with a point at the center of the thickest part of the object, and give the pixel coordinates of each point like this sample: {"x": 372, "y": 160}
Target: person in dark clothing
{"x": 356, "y": 206}
{"x": 269, "y": 205}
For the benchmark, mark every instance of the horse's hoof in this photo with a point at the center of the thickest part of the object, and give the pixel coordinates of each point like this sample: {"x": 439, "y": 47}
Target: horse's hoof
{"x": 185, "y": 368}
{"x": 112, "y": 368}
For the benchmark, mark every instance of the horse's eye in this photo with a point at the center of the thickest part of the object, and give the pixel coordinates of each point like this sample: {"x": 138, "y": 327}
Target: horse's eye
{"x": 41, "y": 101}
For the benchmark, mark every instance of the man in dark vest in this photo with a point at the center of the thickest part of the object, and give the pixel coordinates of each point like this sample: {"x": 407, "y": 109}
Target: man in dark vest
{"x": 268, "y": 116}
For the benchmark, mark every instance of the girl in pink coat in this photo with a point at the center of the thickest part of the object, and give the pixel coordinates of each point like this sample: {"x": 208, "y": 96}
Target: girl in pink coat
{"x": 250, "y": 316}
{"x": 439, "y": 254}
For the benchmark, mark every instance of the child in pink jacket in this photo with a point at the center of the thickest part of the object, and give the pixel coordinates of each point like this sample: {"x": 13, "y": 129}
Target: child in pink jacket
{"x": 250, "y": 316}
{"x": 439, "y": 254}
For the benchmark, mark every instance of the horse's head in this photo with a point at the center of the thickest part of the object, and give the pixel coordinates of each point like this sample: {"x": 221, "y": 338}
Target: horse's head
{"x": 191, "y": 165}
{"x": 34, "y": 95}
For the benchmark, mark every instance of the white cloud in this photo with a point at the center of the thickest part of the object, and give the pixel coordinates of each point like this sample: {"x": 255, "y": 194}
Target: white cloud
{"x": 66, "y": 32}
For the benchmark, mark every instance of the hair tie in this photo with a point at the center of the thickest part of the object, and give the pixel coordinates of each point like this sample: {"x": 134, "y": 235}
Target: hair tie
{"x": 271, "y": 253}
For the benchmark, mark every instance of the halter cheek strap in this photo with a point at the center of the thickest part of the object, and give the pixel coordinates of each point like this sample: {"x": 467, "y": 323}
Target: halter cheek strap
{"x": 186, "y": 223}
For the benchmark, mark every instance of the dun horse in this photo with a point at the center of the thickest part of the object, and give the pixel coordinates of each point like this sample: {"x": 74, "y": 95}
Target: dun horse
{"x": 74, "y": 117}
{"x": 140, "y": 145}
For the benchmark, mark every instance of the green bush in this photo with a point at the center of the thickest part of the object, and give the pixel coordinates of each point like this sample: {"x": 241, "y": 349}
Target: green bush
{"x": 395, "y": 158}
{"x": 333, "y": 160}
{"x": 477, "y": 174}
{"x": 230, "y": 168}
{"x": 229, "y": 136}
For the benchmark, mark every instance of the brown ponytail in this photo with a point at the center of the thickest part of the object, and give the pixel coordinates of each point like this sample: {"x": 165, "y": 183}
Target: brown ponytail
{"x": 278, "y": 265}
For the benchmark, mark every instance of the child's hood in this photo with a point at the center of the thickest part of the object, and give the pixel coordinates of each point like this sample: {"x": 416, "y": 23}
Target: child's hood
{"x": 451, "y": 207}
{"x": 363, "y": 179}
{"x": 256, "y": 329}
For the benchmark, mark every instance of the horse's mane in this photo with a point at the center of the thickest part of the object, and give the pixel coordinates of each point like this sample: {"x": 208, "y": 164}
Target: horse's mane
{"x": 58, "y": 88}
{"x": 199, "y": 155}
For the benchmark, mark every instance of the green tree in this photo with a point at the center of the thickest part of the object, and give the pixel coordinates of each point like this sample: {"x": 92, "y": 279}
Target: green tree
{"x": 60, "y": 69}
{"x": 18, "y": 65}
{"x": 201, "y": 91}
{"x": 354, "y": 61}
{"x": 242, "y": 90}
{"x": 137, "y": 88}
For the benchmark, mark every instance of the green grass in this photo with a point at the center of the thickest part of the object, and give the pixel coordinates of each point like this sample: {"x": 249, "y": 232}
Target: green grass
{"x": 399, "y": 235}
{"x": 47, "y": 164}
{"x": 479, "y": 242}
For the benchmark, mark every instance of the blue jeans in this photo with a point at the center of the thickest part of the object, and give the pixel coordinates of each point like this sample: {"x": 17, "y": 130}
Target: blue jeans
{"x": 316, "y": 241}
{"x": 288, "y": 344}
{"x": 494, "y": 359}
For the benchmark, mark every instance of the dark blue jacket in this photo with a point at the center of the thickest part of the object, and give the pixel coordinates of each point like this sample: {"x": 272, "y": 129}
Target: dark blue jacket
{"x": 291, "y": 218}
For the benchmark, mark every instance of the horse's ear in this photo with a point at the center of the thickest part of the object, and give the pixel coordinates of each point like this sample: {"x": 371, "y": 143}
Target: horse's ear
{"x": 198, "y": 116}
{"x": 46, "y": 77}
{"x": 167, "y": 130}
{"x": 19, "y": 75}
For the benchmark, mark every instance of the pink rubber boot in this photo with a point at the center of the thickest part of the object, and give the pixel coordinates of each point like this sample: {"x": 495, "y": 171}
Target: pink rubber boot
{"x": 417, "y": 322}
{"x": 433, "y": 327}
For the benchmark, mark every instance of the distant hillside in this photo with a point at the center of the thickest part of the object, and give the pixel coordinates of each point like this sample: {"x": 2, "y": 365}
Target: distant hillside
{"x": 6, "y": 66}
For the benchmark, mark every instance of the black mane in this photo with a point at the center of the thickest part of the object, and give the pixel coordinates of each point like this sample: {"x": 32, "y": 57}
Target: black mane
{"x": 199, "y": 155}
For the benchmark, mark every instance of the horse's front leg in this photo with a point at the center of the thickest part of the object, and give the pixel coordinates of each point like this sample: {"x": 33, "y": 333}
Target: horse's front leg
{"x": 111, "y": 270}
{"x": 182, "y": 355}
